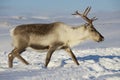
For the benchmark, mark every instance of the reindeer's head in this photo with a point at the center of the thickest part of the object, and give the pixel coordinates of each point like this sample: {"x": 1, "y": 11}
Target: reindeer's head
{"x": 89, "y": 27}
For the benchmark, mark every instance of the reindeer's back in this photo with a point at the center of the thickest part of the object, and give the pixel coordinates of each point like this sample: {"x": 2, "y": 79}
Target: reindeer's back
{"x": 38, "y": 29}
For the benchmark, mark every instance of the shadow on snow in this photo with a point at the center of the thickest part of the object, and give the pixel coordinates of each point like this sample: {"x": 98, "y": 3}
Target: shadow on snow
{"x": 96, "y": 57}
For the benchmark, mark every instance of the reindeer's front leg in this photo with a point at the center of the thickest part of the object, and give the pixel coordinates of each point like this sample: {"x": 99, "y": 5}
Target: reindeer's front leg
{"x": 71, "y": 54}
{"x": 49, "y": 54}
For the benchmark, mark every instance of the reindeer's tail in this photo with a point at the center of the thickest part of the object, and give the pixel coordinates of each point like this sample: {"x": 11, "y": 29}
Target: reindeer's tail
{"x": 12, "y": 34}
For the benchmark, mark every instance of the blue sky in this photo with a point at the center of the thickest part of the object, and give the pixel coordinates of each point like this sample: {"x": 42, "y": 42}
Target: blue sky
{"x": 48, "y": 7}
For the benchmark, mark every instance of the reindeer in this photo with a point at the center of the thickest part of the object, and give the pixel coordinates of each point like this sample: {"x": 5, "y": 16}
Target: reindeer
{"x": 52, "y": 36}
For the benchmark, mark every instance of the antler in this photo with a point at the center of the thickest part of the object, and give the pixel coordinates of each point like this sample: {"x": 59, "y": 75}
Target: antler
{"x": 84, "y": 15}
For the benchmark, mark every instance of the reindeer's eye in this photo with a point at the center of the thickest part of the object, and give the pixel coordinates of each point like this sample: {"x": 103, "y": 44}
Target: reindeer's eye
{"x": 92, "y": 30}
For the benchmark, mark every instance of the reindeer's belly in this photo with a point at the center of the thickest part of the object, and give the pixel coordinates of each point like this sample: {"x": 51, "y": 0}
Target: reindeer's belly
{"x": 39, "y": 47}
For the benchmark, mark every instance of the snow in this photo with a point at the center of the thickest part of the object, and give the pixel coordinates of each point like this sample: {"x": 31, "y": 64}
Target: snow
{"x": 95, "y": 64}
{"x": 98, "y": 61}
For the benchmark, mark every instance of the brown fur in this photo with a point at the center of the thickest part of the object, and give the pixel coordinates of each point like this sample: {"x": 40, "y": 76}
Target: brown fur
{"x": 37, "y": 29}
{"x": 42, "y": 47}
{"x": 39, "y": 47}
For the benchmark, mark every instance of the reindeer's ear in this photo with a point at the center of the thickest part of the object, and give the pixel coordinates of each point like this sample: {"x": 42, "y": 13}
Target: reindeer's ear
{"x": 86, "y": 24}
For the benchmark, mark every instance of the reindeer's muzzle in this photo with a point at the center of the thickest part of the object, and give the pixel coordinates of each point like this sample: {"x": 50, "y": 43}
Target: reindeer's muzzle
{"x": 101, "y": 39}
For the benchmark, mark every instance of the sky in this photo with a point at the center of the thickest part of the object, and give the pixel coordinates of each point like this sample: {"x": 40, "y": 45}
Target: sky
{"x": 50, "y": 7}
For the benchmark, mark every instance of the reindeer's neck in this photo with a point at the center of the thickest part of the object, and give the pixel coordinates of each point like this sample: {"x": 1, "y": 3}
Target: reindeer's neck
{"x": 77, "y": 35}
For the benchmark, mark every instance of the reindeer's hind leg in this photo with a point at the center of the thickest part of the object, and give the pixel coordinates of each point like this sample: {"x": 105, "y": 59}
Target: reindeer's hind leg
{"x": 10, "y": 59}
{"x": 16, "y": 53}
{"x": 20, "y": 57}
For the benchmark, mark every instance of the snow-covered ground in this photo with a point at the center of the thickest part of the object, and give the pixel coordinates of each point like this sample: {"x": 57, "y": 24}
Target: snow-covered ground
{"x": 95, "y": 64}
{"x": 98, "y": 61}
